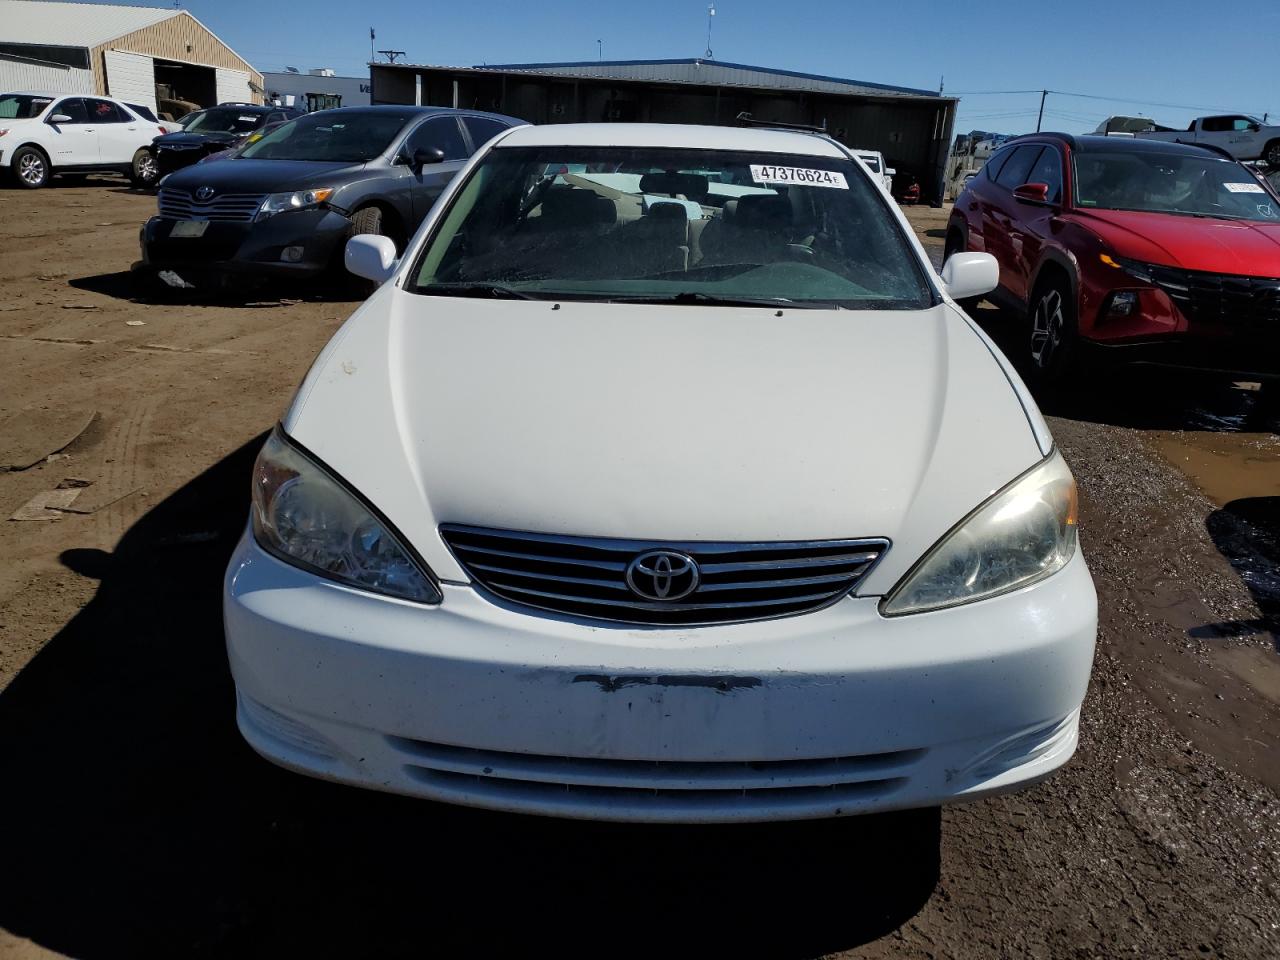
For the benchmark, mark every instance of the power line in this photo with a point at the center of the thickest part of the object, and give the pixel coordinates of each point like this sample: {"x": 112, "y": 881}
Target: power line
{"x": 986, "y": 93}
{"x": 996, "y": 116}
{"x": 1143, "y": 103}
{"x": 1094, "y": 96}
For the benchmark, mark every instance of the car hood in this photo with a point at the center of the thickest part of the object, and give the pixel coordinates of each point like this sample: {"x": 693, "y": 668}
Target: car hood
{"x": 1193, "y": 243}
{"x": 664, "y": 422}
{"x": 182, "y": 138}
{"x": 261, "y": 176}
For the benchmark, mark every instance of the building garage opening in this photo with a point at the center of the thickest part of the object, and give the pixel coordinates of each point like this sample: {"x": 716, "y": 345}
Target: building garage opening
{"x": 183, "y": 87}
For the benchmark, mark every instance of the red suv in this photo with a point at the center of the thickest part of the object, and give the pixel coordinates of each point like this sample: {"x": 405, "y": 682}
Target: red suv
{"x": 1132, "y": 249}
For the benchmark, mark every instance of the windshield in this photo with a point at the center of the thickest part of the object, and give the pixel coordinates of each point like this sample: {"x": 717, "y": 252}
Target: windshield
{"x": 666, "y": 225}
{"x": 1172, "y": 183}
{"x": 21, "y": 106}
{"x": 339, "y": 136}
{"x": 223, "y": 120}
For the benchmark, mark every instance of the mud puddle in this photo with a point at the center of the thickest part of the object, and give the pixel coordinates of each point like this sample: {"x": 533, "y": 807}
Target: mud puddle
{"x": 1228, "y": 446}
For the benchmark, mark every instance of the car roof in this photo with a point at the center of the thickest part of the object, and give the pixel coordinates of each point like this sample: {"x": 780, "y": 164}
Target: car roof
{"x": 676, "y": 135}
{"x": 1097, "y": 143}
{"x": 58, "y": 95}
{"x": 1100, "y": 144}
{"x": 408, "y": 112}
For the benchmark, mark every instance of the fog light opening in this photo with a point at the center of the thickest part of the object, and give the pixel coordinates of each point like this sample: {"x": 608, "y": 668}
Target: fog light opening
{"x": 291, "y": 254}
{"x": 1123, "y": 304}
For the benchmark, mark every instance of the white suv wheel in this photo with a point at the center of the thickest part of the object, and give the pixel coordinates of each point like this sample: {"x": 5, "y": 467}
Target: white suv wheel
{"x": 32, "y": 169}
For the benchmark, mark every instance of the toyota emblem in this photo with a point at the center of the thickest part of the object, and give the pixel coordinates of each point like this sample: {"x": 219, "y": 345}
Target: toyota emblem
{"x": 204, "y": 193}
{"x": 663, "y": 575}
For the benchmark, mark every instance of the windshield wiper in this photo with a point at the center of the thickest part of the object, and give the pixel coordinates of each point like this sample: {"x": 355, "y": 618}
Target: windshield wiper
{"x": 487, "y": 291}
{"x": 712, "y": 300}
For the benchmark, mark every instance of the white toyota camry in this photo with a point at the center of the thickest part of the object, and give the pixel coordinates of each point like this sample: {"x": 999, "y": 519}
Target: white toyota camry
{"x": 663, "y": 480}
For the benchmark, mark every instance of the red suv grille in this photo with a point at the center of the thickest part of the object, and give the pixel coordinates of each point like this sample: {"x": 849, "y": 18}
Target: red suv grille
{"x": 1221, "y": 299}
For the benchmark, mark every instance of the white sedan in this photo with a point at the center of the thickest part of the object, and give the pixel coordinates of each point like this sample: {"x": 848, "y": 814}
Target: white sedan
{"x": 601, "y": 509}
{"x": 45, "y": 134}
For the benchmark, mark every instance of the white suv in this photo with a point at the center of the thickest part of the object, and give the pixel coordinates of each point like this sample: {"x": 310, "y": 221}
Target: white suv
{"x": 44, "y": 134}
{"x": 663, "y": 480}
{"x": 874, "y": 160}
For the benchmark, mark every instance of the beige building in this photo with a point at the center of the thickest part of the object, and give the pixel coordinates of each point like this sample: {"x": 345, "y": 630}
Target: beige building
{"x": 143, "y": 55}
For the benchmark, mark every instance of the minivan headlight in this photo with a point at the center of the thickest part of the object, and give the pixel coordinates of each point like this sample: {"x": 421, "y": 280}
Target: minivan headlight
{"x": 1022, "y": 534}
{"x": 301, "y": 200}
{"x": 307, "y": 518}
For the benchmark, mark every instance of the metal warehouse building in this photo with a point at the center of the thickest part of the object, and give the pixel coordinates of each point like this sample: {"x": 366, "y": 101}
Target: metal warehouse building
{"x": 138, "y": 54}
{"x": 912, "y": 128}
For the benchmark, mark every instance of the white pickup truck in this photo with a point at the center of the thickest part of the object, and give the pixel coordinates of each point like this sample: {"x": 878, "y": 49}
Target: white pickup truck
{"x": 1245, "y": 138}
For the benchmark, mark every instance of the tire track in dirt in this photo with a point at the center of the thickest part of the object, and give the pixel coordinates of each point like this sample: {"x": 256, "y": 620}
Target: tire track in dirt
{"x": 123, "y": 468}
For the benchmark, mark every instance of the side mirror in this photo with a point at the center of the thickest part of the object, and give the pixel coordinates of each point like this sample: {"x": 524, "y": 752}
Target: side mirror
{"x": 967, "y": 275}
{"x": 370, "y": 256}
{"x": 59, "y": 118}
{"x": 1032, "y": 193}
{"x": 890, "y": 171}
{"x": 422, "y": 158}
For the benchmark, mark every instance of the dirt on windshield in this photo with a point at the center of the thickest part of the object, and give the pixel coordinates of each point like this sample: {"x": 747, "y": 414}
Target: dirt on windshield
{"x": 136, "y": 823}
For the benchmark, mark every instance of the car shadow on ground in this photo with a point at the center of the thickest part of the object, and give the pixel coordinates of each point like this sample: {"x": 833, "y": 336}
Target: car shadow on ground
{"x": 127, "y": 285}
{"x": 1247, "y": 533}
{"x": 67, "y": 181}
{"x": 1138, "y": 396}
{"x": 139, "y": 824}
{"x": 119, "y": 285}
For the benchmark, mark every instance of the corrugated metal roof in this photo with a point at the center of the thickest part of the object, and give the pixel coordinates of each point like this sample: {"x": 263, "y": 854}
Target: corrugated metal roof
{"x": 703, "y": 73}
{"x": 73, "y": 24}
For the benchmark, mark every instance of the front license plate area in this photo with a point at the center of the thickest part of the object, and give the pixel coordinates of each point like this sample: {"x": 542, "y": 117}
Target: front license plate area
{"x": 189, "y": 228}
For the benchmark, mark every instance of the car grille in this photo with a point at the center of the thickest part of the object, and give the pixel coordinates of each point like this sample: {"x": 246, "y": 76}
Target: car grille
{"x": 229, "y": 207}
{"x": 1220, "y": 298}
{"x": 668, "y": 786}
{"x": 588, "y": 577}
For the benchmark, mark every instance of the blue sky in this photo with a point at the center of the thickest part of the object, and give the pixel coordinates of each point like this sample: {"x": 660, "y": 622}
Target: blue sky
{"x": 1187, "y": 54}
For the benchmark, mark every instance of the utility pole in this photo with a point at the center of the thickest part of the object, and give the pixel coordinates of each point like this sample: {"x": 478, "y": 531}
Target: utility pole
{"x": 600, "y": 51}
{"x": 371, "y": 39}
{"x": 391, "y": 54}
{"x": 1043, "y": 94}
{"x": 711, "y": 14}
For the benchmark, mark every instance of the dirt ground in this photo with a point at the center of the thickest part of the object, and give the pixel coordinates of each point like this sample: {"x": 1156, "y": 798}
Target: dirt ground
{"x": 135, "y": 823}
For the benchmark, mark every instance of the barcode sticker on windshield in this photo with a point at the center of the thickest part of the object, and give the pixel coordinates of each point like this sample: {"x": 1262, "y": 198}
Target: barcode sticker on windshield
{"x": 1244, "y": 187}
{"x": 803, "y": 176}
{"x": 247, "y": 119}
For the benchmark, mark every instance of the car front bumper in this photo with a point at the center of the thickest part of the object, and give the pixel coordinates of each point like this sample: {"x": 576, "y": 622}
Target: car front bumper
{"x": 255, "y": 248}
{"x": 837, "y": 712}
{"x": 1246, "y": 357}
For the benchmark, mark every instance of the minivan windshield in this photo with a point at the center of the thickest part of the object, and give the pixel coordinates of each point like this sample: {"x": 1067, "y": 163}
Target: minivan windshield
{"x": 22, "y": 106}
{"x": 663, "y": 225}
{"x": 338, "y": 136}
{"x": 1178, "y": 183}
{"x": 223, "y": 120}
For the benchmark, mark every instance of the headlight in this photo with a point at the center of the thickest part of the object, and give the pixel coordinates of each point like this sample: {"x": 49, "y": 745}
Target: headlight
{"x": 1024, "y": 533}
{"x": 305, "y": 517}
{"x": 302, "y": 200}
{"x": 1134, "y": 268}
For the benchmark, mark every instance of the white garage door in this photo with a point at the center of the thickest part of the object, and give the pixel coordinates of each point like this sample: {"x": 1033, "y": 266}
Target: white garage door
{"x": 233, "y": 86}
{"x": 131, "y": 77}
